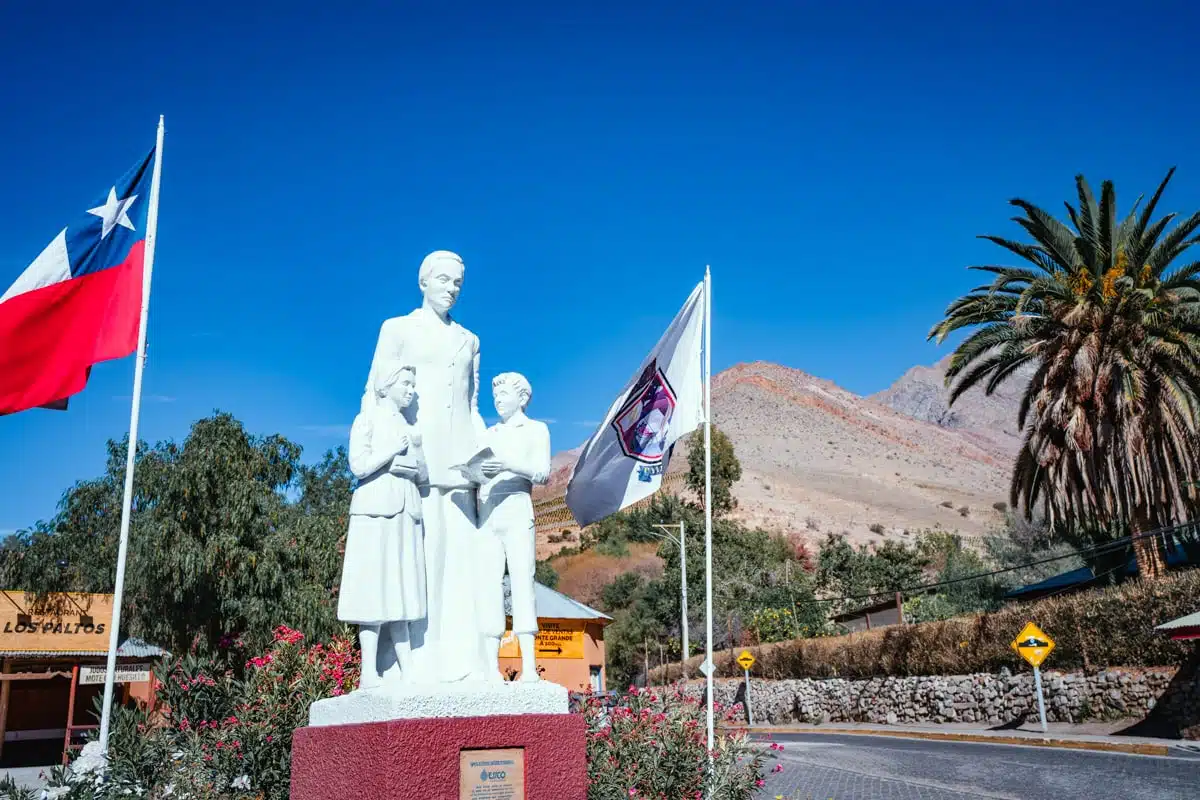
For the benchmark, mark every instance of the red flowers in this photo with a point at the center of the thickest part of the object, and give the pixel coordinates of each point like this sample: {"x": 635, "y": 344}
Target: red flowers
{"x": 285, "y": 634}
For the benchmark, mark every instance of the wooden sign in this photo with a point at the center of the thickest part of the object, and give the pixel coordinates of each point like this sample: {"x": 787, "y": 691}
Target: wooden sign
{"x": 554, "y": 640}
{"x": 70, "y": 622}
{"x": 491, "y": 774}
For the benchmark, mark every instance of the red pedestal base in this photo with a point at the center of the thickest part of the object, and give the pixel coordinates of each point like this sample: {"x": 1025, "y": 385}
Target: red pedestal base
{"x": 418, "y": 759}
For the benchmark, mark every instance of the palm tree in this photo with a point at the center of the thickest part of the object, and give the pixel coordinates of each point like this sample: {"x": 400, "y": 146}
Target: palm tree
{"x": 1111, "y": 330}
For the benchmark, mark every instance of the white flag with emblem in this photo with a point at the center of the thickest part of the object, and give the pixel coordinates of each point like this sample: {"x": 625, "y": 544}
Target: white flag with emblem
{"x": 625, "y": 459}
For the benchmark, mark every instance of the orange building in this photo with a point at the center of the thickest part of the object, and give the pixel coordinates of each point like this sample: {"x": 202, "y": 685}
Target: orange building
{"x": 570, "y": 641}
{"x": 52, "y": 669}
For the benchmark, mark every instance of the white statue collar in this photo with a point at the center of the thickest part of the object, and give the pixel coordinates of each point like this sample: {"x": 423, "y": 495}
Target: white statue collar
{"x": 430, "y": 317}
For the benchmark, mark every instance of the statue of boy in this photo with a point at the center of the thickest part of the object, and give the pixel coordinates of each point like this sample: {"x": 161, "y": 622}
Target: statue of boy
{"x": 521, "y": 450}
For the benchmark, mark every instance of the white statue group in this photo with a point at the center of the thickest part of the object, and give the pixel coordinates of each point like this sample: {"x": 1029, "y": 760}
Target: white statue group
{"x": 443, "y": 503}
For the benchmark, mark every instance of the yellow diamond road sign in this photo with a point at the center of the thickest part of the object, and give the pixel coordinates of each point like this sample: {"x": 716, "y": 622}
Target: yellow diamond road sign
{"x": 1032, "y": 644}
{"x": 746, "y": 659}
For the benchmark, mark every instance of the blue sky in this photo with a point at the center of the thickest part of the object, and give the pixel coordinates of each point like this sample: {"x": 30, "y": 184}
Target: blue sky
{"x": 587, "y": 160}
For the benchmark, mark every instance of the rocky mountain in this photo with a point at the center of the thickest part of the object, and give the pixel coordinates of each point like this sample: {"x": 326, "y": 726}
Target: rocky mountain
{"x": 817, "y": 458}
{"x": 921, "y": 393}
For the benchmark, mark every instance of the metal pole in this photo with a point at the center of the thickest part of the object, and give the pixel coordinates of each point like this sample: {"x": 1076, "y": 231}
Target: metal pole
{"x": 66, "y": 753}
{"x": 749, "y": 711}
{"x": 708, "y": 578}
{"x": 1037, "y": 682}
{"x": 127, "y": 504}
{"x": 687, "y": 647}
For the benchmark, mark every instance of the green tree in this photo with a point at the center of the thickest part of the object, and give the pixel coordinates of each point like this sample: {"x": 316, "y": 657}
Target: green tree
{"x": 218, "y": 551}
{"x": 545, "y": 574}
{"x": 726, "y": 469}
{"x": 1111, "y": 330}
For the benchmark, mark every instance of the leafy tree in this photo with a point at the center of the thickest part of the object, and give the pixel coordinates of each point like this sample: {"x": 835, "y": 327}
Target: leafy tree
{"x": 218, "y": 551}
{"x": 1111, "y": 328}
{"x": 621, "y": 592}
{"x": 726, "y": 469}
{"x": 545, "y": 574}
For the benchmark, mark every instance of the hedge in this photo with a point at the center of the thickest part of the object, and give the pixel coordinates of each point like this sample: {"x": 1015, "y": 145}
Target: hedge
{"x": 1092, "y": 630}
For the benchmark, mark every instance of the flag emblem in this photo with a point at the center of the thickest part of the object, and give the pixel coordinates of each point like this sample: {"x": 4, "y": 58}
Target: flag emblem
{"x": 642, "y": 424}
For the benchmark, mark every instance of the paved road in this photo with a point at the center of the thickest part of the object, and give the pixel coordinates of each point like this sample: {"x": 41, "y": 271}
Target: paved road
{"x": 832, "y": 767}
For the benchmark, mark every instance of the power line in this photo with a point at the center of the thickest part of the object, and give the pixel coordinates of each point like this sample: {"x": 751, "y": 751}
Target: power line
{"x": 1100, "y": 549}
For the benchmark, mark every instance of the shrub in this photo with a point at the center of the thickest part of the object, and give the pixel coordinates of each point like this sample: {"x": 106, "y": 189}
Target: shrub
{"x": 229, "y": 738}
{"x": 964, "y": 511}
{"x": 876, "y": 527}
{"x": 947, "y": 504}
{"x": 775, "y": 625}
{"x": 1099, "y": 628}
{"x": 653, "y": 746}
{"x": 222, "y": 737}
{"x": 1001, "y": 507}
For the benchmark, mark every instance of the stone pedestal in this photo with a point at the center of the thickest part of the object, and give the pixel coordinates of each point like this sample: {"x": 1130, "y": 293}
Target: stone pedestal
{"x": 421, "y": 701}
{"x": 430, "y": 759}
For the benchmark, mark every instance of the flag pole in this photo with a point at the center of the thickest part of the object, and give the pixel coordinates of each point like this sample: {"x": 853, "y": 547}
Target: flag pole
{"x": 127, "y": 502}
{"x": 708, "y": 577}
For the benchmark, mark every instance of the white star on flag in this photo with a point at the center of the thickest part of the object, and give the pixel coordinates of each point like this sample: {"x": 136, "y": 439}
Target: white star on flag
{"x": 114, "y": 212}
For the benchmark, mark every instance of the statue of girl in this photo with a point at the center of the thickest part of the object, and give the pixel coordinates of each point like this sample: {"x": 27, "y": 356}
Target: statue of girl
{"x": 383, "y": 570}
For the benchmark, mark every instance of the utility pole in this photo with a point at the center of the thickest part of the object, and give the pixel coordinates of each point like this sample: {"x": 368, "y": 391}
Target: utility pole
{"x": 683, "y": 601}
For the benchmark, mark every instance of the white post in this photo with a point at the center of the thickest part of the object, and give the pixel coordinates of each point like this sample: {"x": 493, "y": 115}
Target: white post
{"x": 687, "y": 650}
{"x": 708, "y": 577}
{"x": 1037, "y": 682}
{"x": 127, "y": 504}
{"x": 749, "y": 710}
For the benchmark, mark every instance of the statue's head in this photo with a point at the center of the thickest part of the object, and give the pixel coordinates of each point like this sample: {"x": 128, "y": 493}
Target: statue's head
{"x": 511, "y": 392}
{"x": 441, "y": 279}
{"x": 396, "y": 382}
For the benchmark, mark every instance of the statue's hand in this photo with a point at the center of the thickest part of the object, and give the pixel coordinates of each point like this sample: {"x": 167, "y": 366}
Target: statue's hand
{"x": 491, "y": 468}
{"x": 402, "y": 445}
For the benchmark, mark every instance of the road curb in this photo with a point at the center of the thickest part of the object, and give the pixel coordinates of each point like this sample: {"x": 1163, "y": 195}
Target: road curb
{"x": 1133, "y": 748}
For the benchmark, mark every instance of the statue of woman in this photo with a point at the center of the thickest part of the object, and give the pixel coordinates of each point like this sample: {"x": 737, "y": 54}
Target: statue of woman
{"x": 448, "y": 645}
{"x": 383, "y": 571}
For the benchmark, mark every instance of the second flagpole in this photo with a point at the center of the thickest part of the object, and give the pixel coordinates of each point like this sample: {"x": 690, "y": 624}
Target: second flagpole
{"x": 708, "y": 576}
{"x": 114, "y": 629}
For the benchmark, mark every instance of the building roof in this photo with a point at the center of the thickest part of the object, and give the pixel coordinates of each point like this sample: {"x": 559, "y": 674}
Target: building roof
{"x": 1076, "y": 578}
{"x": 130, "y": 648}
{"x": 554, "y": 605}
{"x": 1177, "y": 555}
{"x": 1189, "y": 621}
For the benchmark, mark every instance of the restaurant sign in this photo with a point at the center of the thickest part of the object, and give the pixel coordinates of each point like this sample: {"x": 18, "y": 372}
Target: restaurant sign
{"x": 51, "y": 623}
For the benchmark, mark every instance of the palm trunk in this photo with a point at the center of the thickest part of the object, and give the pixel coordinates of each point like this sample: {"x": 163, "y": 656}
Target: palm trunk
{"x": 1148, "y": 550}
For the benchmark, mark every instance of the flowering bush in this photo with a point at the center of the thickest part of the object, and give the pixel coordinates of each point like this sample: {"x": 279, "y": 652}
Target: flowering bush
{"x": 221, "y": 738}
{"x": 653, "y": 746}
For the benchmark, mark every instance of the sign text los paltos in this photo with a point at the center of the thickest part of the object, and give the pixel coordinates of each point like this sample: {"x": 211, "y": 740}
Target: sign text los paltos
{"x": 65, "y": 628}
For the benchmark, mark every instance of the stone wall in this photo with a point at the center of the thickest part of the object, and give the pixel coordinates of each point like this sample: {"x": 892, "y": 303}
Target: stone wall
{"x": 979, "y": 698}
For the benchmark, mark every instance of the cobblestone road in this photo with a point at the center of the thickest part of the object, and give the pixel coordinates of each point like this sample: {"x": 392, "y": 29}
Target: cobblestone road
{"x": 831, "y": 767}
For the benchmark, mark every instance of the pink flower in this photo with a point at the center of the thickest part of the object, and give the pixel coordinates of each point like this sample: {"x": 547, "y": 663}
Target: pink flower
{"x": 760, "y": 782}
{"x": 778, "y": 768}
{"x": 633, "y": 792}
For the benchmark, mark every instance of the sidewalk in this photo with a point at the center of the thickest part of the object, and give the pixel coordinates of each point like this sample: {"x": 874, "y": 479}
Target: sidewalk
{"x": 26, "y": 777}
{"x": 1082, "y": 736}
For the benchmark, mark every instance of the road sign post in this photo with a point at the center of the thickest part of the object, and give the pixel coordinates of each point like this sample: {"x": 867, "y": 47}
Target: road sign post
{"x": 1033, "y": 645}
{"x": 1037, "y": 682}
{"x": 746, "y": 660}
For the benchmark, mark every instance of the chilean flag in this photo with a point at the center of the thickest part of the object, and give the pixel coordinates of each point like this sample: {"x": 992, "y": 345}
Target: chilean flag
{"x": 79, "y": 302}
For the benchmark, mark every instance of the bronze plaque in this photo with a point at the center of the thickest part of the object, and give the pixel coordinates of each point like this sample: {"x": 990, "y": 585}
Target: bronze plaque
{"x": 491, "y": 774}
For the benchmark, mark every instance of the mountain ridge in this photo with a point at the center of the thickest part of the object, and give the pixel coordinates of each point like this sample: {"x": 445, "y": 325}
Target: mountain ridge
{"x": 817, "y": 458}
